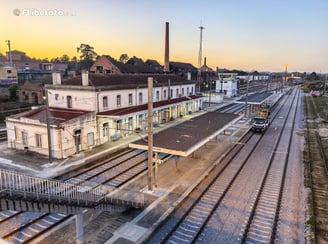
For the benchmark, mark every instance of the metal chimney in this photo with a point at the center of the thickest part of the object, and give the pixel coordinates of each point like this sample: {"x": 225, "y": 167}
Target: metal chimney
{"x": 167, "y": 49}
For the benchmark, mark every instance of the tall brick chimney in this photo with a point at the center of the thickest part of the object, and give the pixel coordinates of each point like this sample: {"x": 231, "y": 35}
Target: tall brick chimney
{"x": 167, "y": 49}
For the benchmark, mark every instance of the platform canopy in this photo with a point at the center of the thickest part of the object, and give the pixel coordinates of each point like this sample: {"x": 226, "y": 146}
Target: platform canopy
{"x": 256, "y": 99}
{"x": 188, "y": 136}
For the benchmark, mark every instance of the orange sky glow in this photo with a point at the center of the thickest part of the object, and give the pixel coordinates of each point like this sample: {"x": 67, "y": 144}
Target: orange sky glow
{"x": 237, "y": 35}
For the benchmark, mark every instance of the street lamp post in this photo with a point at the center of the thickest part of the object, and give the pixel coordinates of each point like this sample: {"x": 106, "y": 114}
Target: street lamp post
{"x": 210, "y": 93}
{"x": 286, "y": 65}
{"x": 246, "y": 100}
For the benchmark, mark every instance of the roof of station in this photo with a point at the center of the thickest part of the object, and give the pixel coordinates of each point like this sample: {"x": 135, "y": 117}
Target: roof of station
{"x": 257, "y": 98}
{"x": 188, "y": 136}
{"x": 56, "y": 115}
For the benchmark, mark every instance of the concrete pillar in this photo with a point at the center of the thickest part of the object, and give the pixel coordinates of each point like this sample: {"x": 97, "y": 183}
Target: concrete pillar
{"x": 150, "y": 132}
{"x": 156, "y": 169}
{"x": 79, "y": 229}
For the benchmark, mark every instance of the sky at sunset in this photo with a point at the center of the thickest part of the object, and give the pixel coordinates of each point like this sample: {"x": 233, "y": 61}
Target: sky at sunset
{"x": 261, "y": 35}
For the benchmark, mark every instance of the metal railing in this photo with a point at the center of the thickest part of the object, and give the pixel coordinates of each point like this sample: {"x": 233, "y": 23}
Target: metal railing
{"x": 14, "y": 185}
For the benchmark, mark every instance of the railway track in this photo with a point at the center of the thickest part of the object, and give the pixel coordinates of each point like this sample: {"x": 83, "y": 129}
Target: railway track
{"x": 232, "y": 108}
{"x": 316, "y": 174}
{"x": 188, "y": 227}
{"x": 262, "y": 222}
{"x": 112, "y": 172}
{"x": 197, "y": 218}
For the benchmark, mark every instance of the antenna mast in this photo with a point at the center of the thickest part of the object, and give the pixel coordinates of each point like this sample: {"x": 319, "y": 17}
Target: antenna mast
{"x": 200, "y": 46}
{"x": 200, "y": 55}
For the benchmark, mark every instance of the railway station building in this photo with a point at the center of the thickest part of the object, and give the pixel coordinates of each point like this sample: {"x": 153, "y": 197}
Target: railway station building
{"x": 89, "y": 110}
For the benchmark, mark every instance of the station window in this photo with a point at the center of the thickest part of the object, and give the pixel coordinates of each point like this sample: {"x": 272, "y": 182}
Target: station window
{"x": 38, "y": 140}
{"x": 24, "y": 138}
{"x": 105, "y": 102}
{"x": 118, "y": 100}
{"x": 157, "y": 95}
{"x": 69, "y": 101}
{"x": 130, "y": 99}
{"x": 140, "y": 98}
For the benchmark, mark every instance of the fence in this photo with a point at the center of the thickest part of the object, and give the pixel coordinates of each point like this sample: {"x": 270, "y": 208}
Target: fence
{"x": 16, "y": 185}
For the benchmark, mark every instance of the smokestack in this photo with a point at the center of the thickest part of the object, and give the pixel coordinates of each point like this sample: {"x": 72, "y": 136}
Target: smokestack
{"x": 167, "y": 49}
{"x": 204, "y": 61}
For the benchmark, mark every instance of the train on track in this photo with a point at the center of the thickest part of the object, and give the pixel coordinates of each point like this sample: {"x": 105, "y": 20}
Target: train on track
{"x": 262, "y": 121}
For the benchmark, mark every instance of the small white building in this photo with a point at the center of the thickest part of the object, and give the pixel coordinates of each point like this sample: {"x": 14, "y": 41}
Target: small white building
{"x": 227, "y": 84}
{"x": 91, "y": 109}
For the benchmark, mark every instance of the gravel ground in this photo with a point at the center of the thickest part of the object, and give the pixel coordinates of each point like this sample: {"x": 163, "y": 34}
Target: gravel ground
{"x": 291, "y": 227}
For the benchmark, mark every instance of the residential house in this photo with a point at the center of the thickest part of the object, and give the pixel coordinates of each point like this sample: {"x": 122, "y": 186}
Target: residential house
{"x": 108, "y": 65}
{"x": 8, "y": 75}
{"x": 31, "y": 68}
{"x": 31, "y": 92}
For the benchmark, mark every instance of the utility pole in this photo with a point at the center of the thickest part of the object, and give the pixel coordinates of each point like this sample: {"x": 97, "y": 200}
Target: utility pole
{"x": 324, "y": 84}
{"x": 48, "y": 127}
{"x": 285, "y": 81}
{"x": 10, "y": 57}
{"x": 246, "y": 101}
{"x": 150, "y": 133}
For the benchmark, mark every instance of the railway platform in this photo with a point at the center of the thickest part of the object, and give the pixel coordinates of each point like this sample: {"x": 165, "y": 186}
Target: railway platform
{"x": 39, "y": 165}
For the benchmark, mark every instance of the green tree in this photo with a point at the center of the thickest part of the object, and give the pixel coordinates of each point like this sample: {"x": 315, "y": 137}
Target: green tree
{"x": 64, "y": 58}
{"x": 13, "y": 92}
{"x": 313, "y": 76}
{"x": 124, "y": 58}
{"x": 87, "y": 55}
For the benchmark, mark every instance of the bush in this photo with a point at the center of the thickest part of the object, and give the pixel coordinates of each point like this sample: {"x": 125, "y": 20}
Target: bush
{"x": 13, "y": 91}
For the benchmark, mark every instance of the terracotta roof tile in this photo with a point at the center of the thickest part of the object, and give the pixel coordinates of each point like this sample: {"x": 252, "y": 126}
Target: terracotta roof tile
{"x": 121, "y": 81}
{"x": 56, "y": 115}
